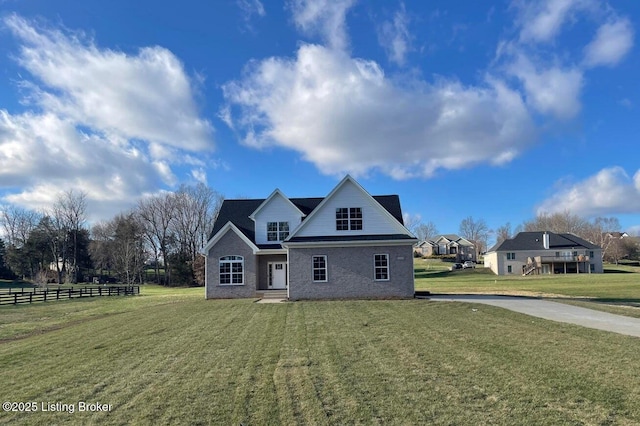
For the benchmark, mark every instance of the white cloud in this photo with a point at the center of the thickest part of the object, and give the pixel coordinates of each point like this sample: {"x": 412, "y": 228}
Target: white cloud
{"x": 44, "y": 155}
{"x": 199, "y": 175}
{"x": 542, "y": 21}
{"x": 103, "y": 121}
{"x": 612, "y": 42}
{"x": 610, "y": 191}
{"x": 146, "y": 96}
{"x": 344, "y": 115}
{"x": 323, "y": 17}
{"x": 553, "y": 82}
{"x": 395, "y": 38}
{"x": 251, "y": 7}
{"x": 551, "y": 91}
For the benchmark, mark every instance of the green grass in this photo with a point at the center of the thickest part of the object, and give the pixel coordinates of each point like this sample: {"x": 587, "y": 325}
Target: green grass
{"x": 619, "y": 284}
{"x": 24, "y": 320}
{"x": 171, "y": 357}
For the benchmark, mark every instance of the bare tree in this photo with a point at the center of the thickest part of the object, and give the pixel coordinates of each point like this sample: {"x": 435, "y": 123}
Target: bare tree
{"x": 503, "y": 233}
{"x": 157, "y": 214}
{"x": 412, "y": 222}
{"x": 565, "y": 222}
{"x": 128, "y": 248}
{"x": 17, "y": 224}
{"x": 71, "y": 209}
{"x": 475, "y": 231}
{"x": 426, "y": 231}
{"x": 196, "y": 208}
{"x": 100, "y": 247}
{"x": 601, "y": 232}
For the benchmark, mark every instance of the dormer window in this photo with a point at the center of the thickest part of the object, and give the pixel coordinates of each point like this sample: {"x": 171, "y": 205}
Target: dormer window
{"x": 348, "y": 219}
{"x": 277, "y": 231}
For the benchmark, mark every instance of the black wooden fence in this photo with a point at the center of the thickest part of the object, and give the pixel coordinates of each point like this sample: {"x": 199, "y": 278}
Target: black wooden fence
{"x": 18, "y": 296}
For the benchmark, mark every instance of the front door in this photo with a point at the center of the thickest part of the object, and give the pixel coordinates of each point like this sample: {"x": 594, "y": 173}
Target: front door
{"x": 277, "y": 275}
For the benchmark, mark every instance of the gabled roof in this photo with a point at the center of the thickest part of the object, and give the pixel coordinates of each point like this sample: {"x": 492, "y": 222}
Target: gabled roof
{"x": 229, "y": 226}
{"x": 397, "y": 218}
{"x": 454, "y": 238}
{"x": 533, "y": 241}
{"x": 274, "y": 194}
{"x": 426, "y": 242}
{"x": 239, "y": 211}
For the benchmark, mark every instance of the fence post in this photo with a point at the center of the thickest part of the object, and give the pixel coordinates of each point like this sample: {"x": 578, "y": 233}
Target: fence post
{"x": 15, "y": 298}
{"x": 58, "y": 293}
{"x": 30, "y": 297}
{"x": 45, "y": 295}
{"x": 69, "y": 293}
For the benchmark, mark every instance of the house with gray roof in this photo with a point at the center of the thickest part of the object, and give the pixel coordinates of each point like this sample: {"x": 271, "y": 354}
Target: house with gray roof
{"x": 448, "y": 244}
{"x": 544, "y": 253}
{"x": 348, "y": 244}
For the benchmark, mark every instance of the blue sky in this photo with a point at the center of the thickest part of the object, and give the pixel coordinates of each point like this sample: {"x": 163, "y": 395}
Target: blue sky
{"x": 498, "y": 110}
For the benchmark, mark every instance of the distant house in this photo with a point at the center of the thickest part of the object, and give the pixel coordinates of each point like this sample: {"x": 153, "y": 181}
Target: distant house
{"x": 616, "y": 235}
{"x": 544, "y": 253}
{"x": 348, "y": 244}
{"x": 447, "y": 244}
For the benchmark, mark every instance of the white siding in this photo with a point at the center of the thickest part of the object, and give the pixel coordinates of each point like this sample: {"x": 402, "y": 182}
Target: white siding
{"x": 374, "y": 221}
{"x": 277, "y": 210}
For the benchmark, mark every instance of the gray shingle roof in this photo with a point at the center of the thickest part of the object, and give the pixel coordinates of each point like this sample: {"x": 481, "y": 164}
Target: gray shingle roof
{"x": 533, "y": 241}
{"x": 238, "y": 211}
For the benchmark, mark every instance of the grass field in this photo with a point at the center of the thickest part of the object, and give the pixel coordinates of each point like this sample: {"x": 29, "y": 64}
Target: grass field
{"x": 171, "y": 357}
{"x": 619, "y": 283}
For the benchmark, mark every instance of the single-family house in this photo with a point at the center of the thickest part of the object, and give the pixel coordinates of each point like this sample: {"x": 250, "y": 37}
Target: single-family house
{"x": 448, "y": 244}
{"x": 348, "y": 244}
{"x": 544, "y": 253}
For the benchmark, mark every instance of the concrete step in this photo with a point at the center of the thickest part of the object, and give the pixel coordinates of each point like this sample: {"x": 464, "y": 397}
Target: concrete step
{"x": 272, "y": 294}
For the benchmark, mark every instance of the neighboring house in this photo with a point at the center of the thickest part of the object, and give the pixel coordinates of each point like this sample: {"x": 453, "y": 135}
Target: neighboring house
{"x": 544, "y": 253}
{"x": 616, "y": 235}
{"x": 424, "y": 248}
{"x": 448, "y": 244}
{"x": 345, "y": 245}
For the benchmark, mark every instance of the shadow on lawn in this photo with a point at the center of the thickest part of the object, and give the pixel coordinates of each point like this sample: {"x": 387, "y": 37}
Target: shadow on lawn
{"x": 617, "y": 301}
{"x": 427, "y": 274}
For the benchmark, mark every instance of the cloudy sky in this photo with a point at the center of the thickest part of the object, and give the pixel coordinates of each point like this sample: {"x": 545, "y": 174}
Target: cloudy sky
{"x": 498, "y": 110}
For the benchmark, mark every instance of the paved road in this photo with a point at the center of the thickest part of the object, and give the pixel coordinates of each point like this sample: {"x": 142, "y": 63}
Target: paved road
{"x": 554, "y": 311}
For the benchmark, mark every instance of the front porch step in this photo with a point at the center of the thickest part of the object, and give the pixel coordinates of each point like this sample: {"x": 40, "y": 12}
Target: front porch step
{"x": 272, "y": 294}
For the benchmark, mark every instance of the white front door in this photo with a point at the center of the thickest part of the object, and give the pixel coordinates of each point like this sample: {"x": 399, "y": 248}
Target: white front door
{"x": 278, "y": 275}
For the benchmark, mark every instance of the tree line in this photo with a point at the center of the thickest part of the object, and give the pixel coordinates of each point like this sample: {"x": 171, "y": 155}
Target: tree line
{"x": 600, "y": 231}
{"x": 158, "y": 240}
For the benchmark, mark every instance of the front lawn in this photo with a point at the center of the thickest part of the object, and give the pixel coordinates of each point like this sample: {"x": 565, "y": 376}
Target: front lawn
{"x": 172, "y": 357}
{"x": 618, "y": 284}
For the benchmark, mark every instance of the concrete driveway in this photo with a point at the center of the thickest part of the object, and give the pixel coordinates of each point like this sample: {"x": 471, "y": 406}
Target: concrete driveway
{"x": 553, "y": 311}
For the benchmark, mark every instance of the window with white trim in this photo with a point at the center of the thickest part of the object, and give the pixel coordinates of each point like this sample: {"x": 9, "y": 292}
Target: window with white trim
{"x": 319, "y": 268}
{"x": 277, "y": 231}
{"x": 381, "y": 267}
{"x": 511, "y": 256}
{"x": 348, "y": 219}
{"x": 232, "y": 270}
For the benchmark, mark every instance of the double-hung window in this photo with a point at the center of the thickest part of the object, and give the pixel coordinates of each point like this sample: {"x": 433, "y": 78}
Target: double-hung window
{"x": 348, "y": 219}
{"x": 381, "y": 267}
{"x": 319, "y": 268}
{"x": 277, "y": 231}
{"x": 231, "y": 270}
